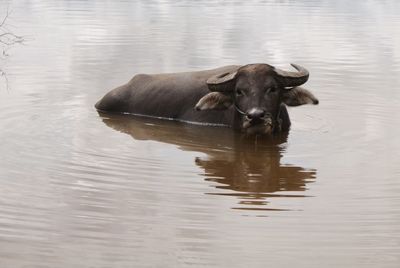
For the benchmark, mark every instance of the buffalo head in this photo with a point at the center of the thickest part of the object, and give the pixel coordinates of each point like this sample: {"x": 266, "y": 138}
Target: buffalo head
{"x": 257, "y": 92}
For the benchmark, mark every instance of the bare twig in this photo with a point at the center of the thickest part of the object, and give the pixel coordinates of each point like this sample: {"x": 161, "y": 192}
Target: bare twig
{"x": 5, "y": 18}
{"x": 7, "y": 40}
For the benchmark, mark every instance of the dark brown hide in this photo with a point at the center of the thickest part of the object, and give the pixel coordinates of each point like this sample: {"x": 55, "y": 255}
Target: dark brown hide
{"x": 250, "y": 97}
{"x": 167, "y": 95}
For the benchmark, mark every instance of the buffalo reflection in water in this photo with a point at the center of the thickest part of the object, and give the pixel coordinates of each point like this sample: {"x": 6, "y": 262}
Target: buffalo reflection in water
{"x": 248, "y": 168}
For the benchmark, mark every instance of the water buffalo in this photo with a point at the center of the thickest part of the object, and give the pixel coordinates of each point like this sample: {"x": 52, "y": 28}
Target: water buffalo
{"x": 250, "y": 98}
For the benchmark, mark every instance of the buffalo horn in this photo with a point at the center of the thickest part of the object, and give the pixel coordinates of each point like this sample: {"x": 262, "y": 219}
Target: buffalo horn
{"x": 293, "y": 79}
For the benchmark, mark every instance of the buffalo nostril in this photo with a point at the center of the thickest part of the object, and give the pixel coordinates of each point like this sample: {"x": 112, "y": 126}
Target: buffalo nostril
{"x": 255, "y": 114}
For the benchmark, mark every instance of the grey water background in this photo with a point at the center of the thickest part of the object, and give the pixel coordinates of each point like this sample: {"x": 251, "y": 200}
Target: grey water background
{"x": 79, "y": 189}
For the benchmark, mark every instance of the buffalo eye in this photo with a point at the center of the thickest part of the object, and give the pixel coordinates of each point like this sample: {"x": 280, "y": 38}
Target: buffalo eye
{"x": 272, "y": 90}
{"x": 239, "y": 92}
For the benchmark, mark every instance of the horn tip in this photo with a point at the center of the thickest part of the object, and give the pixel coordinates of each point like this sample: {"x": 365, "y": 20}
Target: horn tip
{"x": 296, "y": 66}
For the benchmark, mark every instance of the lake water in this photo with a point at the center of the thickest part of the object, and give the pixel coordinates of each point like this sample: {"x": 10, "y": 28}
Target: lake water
{"x": 82, "y": 189}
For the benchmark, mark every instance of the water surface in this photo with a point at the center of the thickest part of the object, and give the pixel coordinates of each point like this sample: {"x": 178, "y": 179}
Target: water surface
{"x": 83, "y": 189}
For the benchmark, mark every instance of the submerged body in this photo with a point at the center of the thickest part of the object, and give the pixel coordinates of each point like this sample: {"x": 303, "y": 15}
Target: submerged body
{"x": 171, "y": 96}
{"x": 186, "y": 97}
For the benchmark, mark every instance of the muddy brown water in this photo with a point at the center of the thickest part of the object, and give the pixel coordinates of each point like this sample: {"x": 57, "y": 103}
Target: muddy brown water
{"x": 82, "y": 189}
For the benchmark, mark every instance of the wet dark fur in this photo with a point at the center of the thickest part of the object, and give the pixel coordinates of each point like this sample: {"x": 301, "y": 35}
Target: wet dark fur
{"x": 173, "y": 96}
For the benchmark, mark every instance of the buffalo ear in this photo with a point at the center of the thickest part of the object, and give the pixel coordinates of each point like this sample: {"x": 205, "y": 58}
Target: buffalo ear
{"x": 214, "y": 101}
{"x": 223, "y": 82}
{"x": 298, "y": 96}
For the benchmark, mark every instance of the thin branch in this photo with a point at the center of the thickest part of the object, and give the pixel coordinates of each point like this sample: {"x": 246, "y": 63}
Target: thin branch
{"x": 7, "y": 39}
{"x": 4, "y": 76}
{"x": 5, "y": 18}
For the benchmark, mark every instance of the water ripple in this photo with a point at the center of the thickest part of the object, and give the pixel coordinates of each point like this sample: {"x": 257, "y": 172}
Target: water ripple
{"x": 79, "y": 189}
